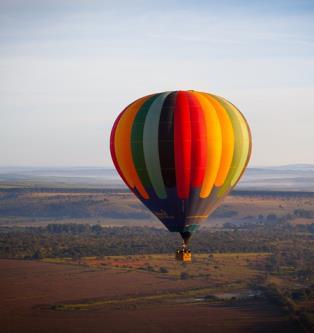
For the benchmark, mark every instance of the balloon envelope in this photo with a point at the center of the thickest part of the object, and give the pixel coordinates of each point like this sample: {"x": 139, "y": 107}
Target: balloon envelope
{"x": 181, "y": 152}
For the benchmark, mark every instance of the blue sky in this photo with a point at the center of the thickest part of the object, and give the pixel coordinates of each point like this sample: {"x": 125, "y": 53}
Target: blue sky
{"x": 67, "y": 68}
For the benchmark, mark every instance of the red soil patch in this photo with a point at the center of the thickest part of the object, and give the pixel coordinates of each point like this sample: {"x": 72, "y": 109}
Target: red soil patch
{"x": 26, "y": 285}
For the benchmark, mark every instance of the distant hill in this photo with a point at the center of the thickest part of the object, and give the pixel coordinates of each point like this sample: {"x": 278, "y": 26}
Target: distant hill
{"x": 294, "y": 177}
{"x": 61, "y": 176}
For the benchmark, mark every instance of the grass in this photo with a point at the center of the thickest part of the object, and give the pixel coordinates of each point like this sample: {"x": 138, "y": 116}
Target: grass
{"x": 222, "y": 272}
{"x": 92, "y": 304}
{"x": 56, "y": 260}
{"x": 226, "y": 267}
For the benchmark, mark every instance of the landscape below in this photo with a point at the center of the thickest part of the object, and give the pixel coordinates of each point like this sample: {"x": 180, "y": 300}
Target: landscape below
{"x": 100, "y": 251}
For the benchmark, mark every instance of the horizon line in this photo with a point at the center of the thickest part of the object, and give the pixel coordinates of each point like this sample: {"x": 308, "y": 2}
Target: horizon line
{"x": 113, "y": 168}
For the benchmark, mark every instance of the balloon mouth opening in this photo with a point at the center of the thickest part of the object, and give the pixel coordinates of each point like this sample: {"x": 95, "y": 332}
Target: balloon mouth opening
{"x": 186, "y": 235}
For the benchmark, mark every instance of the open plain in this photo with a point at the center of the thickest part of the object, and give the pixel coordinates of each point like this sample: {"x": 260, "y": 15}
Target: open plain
{"x": 89, "y": 297}
{"x": 77, "y": 259}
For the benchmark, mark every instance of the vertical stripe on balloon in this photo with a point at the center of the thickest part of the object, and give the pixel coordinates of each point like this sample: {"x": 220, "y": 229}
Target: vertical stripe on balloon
{"x": 198, "y": 143}
{"x": 122, "y": 142}
{"x": 213, "y": 144}
{"x": 227, "y": 140}
{"x": 166, "y": 141}
{"x": 151, "y": 149}
{"x": 238, "y": 146}
{"x": 245, "y": 143}
{"x": 182, "y": 145}
{"x": 137, "y": 142}
{"x": 249, "y": 150}
{"x": 112, "y": 149}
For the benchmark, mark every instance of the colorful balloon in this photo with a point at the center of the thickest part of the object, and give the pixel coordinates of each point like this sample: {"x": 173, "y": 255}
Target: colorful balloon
{"x": 181, "y": 152}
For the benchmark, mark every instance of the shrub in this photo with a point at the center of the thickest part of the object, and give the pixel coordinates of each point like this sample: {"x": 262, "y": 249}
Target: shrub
{"x": 184, "y": 276}
{"x": 163, "y": 270}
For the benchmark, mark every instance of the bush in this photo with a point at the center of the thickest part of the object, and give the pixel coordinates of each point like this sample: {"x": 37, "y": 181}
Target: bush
{"x": 163, "y": 270}
{"x": 184, "y": 276}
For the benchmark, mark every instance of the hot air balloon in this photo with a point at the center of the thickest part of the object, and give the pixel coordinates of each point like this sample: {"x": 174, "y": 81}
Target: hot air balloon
{"x": 181, "y": 153}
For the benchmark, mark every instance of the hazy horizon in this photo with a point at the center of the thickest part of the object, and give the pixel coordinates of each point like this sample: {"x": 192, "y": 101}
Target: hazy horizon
{"x": 299, "y": 177}
{"x": 113, "y": 168}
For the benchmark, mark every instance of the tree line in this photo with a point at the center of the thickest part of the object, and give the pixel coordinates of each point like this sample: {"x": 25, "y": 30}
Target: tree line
{"x": 68, "y": 240}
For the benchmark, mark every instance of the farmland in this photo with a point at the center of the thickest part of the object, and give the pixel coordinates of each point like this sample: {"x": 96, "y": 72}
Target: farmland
{"x": 63, "y": 295}
{"x": 80, "y": 259}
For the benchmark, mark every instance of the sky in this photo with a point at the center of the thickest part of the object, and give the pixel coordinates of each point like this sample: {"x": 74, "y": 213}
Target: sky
{"x": 68, "y": 68}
